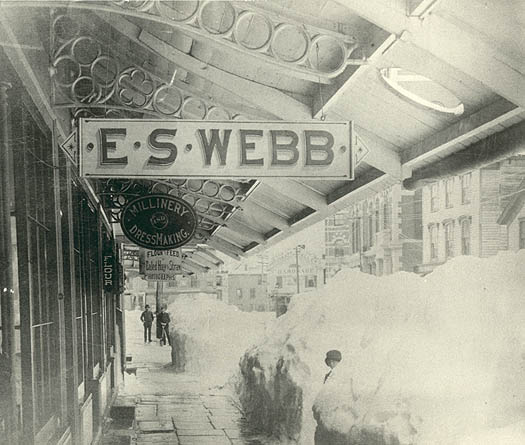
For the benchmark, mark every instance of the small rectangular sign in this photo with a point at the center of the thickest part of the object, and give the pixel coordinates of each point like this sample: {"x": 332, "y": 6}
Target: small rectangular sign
{"x": 161, "y": 265}
{"x": 140, "y": 148}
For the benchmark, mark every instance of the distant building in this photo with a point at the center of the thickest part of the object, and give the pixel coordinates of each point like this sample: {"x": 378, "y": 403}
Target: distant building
{"x": 379, "y": 235}
{"x": 461, "y": 213}
{"x": 513, "y": 218}
{"x": 249, "y": 292}
{"x": 139, "y": 292}
{"x": 284, "y": 280}
{"x": 246, "y": 285}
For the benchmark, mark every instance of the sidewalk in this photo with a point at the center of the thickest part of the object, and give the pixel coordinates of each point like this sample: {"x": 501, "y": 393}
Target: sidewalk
{"x": 158, "y": 406}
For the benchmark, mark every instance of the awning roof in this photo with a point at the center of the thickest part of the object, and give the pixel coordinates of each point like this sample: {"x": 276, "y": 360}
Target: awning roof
{"x": 290, "y": 60}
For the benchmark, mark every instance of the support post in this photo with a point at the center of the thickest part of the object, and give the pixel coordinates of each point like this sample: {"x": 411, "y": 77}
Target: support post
{"x": 8, "y": 353}
{"x": 297, "y": 266}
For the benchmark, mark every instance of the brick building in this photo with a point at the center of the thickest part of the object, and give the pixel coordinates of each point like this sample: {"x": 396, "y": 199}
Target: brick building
{"x": 380, "y": 235}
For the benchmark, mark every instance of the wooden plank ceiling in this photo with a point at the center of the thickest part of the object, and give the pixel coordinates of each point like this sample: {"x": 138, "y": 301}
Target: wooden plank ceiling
{"x": 286, "y": 59}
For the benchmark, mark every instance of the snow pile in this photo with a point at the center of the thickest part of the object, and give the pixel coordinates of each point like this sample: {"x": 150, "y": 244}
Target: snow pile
{"x": 429, "y": 361}
{"x": 210, "y": 336}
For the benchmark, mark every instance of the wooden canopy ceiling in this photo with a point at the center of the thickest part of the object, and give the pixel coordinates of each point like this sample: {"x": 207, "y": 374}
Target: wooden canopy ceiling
{"x": 272, "y": 60}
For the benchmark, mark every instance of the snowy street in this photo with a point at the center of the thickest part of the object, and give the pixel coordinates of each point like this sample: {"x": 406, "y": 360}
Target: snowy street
{"x": 415, "y": 357}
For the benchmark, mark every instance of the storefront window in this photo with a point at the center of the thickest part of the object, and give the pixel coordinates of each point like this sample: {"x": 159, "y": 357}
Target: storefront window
{"x": 449, "y": 239}
{"x": 466, "y": 181}
{"x": 433, "y": 242}
{"x": 465, "y": 237}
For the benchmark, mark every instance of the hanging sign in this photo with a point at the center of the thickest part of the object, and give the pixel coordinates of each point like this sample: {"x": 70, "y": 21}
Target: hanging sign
{"x": 108, "y": 269}
{"x": 161, "y": 265}
{"x": 140, "y": 148}
{"x": 158, "y": 222}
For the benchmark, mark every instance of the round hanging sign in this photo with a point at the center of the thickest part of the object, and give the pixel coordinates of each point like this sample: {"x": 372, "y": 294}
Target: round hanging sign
{"x": 158, "y": 222}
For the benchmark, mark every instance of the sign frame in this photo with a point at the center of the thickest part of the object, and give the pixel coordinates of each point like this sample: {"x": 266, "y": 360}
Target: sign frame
{"x": 157, "y": 199}
{"x": 125, "y": 148}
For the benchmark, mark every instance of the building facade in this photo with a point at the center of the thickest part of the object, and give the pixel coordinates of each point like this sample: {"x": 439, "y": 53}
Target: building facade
{"x": 380, "y": 235}
{"x": 62, "y": 339}
{"x": 249, "y": 292}
{"x": 460, "y": 213}
{"x": 294, "y": 272}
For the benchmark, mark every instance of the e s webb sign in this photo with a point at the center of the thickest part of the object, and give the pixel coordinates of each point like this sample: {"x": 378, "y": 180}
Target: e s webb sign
{"x": 139, "y": 148}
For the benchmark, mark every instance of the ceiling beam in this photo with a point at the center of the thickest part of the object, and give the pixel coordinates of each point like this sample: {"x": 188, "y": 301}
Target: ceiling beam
{"x": 467, "y": 50}
{"x": 205, "y": 252}
{"x": 461, "y": 131}
{"x": 297, "y": 191}
{"x": 202, "y": 261}
{"x": 189, "y": 263}
{"x": 225, "y": 247}
{"x": 244, "y": 231}
{"x": 379, "y": 155}
{"x": 262, "y": 213}
{"x": 351, "y": 192}
{"x": 499, "y": 146}
{"x": 269, "y": 99}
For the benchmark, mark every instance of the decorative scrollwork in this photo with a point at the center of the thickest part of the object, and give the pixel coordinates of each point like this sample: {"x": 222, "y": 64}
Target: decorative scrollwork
{"x": 313, "y": 51}
{"x": 213, "y": 201}
{"x": 86, "y": 74}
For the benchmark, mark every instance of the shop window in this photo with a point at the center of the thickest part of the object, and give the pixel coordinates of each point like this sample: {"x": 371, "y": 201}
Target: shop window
{"x": 466, "y": 181}
{"x": 522, "y": 233}
{"x": 434, "y": 197}
{"x": 433, "y": 242}
{"x": 449, "y": 239}
{"x": 449, "y": 190}
{"x": 378, "y": 218}
{"x": 386, "y": 214}
{"x": 370, "y": 227}
{"x": 339, "y": 219}
{"x": 465, "y": 237}
{"x": 339, "y": 250}
{"x": 252, "y": 292}
{"x": 261, "y": 308}
{"x": 310, "y": 281}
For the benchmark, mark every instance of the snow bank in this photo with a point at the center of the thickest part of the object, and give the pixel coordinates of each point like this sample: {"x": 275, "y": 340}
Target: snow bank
{"x": 209, "y": 336}
{"x": 437, "y": 360}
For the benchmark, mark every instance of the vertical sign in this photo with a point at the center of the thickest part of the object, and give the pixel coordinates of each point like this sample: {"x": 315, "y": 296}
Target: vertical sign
{"x": 108, "y": 268}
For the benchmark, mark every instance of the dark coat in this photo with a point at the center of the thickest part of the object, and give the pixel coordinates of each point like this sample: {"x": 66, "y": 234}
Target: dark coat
{"x": 147, "y": 317}
{"x": 162, "y": 317}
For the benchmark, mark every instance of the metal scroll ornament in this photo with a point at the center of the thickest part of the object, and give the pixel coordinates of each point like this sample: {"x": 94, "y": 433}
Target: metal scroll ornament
{"x": 159, "y": 222}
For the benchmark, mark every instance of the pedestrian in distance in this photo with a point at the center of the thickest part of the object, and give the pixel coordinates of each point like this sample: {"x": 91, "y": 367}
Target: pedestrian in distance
{"x": 163, "y": 326}
{"x": 147, "y": 319}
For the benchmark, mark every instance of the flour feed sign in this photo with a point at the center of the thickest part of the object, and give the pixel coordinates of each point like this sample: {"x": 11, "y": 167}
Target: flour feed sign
{"x": 142, "y": 148}
{"x": 161, "y": 265}
{"x": 158, "y": 222}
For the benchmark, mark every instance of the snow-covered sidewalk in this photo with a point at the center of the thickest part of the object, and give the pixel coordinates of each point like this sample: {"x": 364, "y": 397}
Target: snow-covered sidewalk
{"x": 169, "y": 407}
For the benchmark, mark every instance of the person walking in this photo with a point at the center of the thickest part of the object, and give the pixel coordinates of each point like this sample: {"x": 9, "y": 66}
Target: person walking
{"x": 147, "y": 319}
{"x": 163, "y": 326}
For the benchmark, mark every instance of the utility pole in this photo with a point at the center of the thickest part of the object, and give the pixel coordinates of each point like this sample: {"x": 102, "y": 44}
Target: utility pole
{"x": 158, "y": 294}
{"x": 297, "y": 266}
